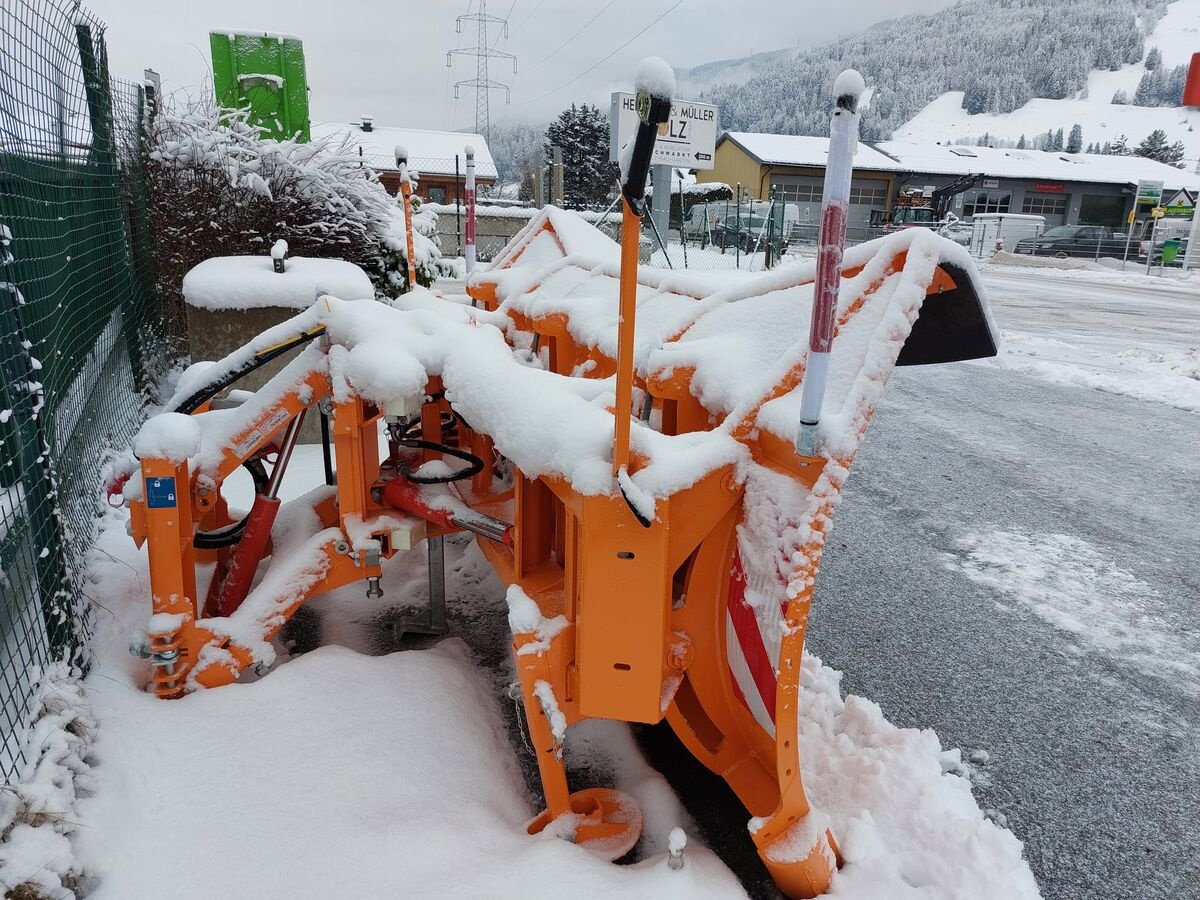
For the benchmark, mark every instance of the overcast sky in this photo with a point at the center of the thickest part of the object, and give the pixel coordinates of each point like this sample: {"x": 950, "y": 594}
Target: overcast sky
{"x": 389, "y": 58}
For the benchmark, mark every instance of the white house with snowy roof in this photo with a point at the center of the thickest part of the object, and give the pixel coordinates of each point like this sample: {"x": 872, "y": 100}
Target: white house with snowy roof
{"x": 438, "y": 158}
{"x": 1065, "y": 188}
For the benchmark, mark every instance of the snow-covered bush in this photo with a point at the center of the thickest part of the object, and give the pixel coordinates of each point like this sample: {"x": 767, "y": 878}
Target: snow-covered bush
{"x": 218, "y": 187}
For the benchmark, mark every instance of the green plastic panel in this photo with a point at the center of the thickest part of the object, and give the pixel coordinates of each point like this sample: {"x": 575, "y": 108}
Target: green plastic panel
{"x": 265, "y": 72}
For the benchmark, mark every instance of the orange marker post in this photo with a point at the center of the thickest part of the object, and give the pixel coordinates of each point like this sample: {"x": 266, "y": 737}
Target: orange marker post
{"x": 406, "y": 197}
{"x": 655, "y": 84}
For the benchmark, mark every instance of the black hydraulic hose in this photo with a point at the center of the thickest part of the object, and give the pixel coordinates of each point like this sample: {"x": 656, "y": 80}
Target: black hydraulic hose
{"x": 326, "y": 456}
{"x": 231, "y": 534}
{"x": 474, "y": 463}
{"x": 210, "y": 390}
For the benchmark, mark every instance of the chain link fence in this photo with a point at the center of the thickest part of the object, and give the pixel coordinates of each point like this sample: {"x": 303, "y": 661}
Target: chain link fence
{"x": 83, "y": 337}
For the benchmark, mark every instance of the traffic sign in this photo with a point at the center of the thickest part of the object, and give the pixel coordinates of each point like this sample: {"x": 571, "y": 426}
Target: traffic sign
{"x": 1149, "y": 193}
{"x": 687, "y": 140}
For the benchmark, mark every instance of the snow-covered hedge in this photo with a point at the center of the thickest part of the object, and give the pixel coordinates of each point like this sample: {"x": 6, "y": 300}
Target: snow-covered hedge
{"x": 218, "y": 187}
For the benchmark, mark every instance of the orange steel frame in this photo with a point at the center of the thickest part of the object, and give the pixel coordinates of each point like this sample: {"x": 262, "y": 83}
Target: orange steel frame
{"x": 645, "y": 605}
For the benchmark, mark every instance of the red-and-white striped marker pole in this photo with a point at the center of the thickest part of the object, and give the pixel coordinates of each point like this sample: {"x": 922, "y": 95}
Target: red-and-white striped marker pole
{"x": 835, "y": 204}
{"x": 469, "y": 245}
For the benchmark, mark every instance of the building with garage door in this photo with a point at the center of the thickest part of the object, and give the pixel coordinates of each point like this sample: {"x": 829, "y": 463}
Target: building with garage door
{"x": 1066, "y": 188}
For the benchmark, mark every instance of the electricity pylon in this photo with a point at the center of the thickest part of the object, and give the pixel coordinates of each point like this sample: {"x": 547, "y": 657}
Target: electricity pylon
{"x": 482, "y": 53}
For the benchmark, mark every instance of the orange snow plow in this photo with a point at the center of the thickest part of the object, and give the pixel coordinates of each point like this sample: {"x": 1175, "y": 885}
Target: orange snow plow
{"x": 623, "y": 446}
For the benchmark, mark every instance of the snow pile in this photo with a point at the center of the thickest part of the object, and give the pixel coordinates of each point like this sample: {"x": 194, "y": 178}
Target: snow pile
{"x": 341, "y": 764}
{"x": 905, "y": 829}
{"x": 1077, "y": 588}
{"x": 849, "y": 84}
{"x": 251, "y": 282}
{"x": 1004, "y": 258}
{"x": 656, "y": 77}
{"x": 766, "y": 319}
{"x": 1170, "y": 377}
{"x": 170, "y": 436}
{"x": 38, "y": 812}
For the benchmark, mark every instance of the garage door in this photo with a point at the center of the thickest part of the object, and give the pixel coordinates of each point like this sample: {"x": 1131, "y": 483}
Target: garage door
{"x": 1052, "y": 206}
{"x": 805, "y": 193}
{"x": 1098, "y": 210}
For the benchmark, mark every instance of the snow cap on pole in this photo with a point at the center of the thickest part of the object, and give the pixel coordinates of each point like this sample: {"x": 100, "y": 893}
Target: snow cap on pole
{"x": 401, "y": 154}
{"x": 470, "y": 152}
{"x": 848, "y": 88}
{"x": 656, "y": 77}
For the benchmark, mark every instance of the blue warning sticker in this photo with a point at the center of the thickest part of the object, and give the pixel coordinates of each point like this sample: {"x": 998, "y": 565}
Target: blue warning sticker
{"x": 160, "y": 493}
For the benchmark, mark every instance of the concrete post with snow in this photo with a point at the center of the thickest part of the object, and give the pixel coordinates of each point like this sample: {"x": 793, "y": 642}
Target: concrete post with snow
{"x": 469, "y": 229}
{"x": 835, "y": 205}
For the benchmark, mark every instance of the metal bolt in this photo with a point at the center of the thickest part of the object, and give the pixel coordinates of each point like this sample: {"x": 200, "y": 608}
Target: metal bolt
{"x": 374, "y": 591}
{"x": 261, "y": 669}
{"x": 341, "y": 548}
{"x": 139, "y": 646}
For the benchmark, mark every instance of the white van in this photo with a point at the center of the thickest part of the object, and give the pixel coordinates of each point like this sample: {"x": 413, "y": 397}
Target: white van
{"x": 1001, "y": 231}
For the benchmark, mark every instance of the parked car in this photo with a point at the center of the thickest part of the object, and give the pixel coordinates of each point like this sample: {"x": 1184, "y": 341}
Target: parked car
{"x": 1074, "y": 240}
{"x": 752, "y": 232}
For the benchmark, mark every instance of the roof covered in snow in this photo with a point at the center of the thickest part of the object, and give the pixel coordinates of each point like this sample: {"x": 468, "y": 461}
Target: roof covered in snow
{"x": 430, "y": 152}
{"x": 802, "y": 150}
{"x": 946, "y": 159}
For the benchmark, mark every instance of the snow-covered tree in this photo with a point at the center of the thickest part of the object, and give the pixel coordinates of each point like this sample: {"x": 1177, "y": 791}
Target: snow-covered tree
{"x": 1121, "y": 98}
{"x": 1075, "y": 141}
{"x": 1120, "y": 147}
{"x": 582, "y": 134}
{"x": 217, "y": 186}
{"x": 1021, "y": 143}
{"x": 999, "y": 53}
{"x": 1155, "y": 147}
{"x": 1153, "y": 59}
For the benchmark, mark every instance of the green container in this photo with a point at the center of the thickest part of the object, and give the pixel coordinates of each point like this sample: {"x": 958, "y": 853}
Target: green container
{"x": 1170, "y": 250}
{"x": 264, "y": 72}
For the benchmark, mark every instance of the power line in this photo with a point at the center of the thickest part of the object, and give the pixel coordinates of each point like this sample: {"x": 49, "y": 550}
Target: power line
{"x": 594, "y": 65}
{"x": 507, "y": 16}
{"x": 528, "y": 17}
{"x": 572, "y": 37}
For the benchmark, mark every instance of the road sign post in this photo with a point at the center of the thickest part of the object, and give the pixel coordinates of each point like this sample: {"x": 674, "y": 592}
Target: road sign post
{"x": 1149, "y": 193}
{"x": 660, "y": 209}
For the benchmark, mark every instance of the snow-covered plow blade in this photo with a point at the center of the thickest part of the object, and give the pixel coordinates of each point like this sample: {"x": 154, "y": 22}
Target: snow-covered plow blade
{"x": 622, "y": 444}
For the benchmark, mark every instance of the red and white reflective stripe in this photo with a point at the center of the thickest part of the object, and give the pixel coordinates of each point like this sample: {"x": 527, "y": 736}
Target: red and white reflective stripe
{"x": 751, "y": 659}
{"x": 469, "y": 191}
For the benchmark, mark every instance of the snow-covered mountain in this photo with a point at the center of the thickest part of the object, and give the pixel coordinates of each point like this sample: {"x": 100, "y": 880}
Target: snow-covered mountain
{"x": 1001, "y": 68}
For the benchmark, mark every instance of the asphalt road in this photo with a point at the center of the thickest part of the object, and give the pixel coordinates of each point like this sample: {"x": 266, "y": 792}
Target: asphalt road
{"x": 1093, "y": 732}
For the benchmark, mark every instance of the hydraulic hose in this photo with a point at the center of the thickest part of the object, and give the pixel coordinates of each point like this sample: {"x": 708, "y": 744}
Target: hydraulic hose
{"x": 260, "y": 359}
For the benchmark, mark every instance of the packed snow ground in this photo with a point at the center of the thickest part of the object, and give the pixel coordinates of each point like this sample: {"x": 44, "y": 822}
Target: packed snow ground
{"x": 1026, "y": 543}
{"x": 1101, "y": 330}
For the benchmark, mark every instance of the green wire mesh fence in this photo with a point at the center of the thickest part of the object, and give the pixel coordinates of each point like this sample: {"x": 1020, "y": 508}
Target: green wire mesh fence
{"x": 83, "y": 335}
